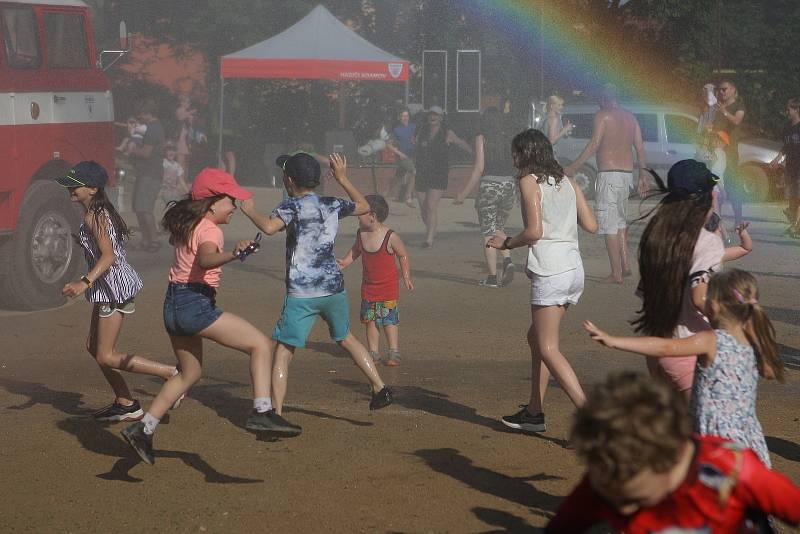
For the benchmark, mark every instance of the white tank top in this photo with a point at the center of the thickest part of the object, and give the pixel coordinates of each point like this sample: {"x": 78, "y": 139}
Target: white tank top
{"x": 557, "y": 251}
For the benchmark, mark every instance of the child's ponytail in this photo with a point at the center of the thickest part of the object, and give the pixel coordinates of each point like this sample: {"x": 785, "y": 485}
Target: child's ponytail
{"x": 100, "y": 207}
{"x": 761, "y": 334}
{"x": 182, "y": 216}
{"x": 737, "y": 294}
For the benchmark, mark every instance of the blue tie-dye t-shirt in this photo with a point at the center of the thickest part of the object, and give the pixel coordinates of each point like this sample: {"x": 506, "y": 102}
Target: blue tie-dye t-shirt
{"x": 311, "y": 225}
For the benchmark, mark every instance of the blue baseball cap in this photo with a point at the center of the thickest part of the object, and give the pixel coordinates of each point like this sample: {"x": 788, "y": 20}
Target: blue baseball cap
{"x": 85, "y": 173}
{"x": 689, "y": 177}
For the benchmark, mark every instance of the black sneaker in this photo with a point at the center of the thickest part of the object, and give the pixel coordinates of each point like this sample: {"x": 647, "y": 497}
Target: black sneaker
{"x": 142, "y": 443}
{"x": 523, "y": 420}
{"x": 489, "y": 281}
{"x": 508, "y": 272}
{"x": 118, "y": 412}
{"x": 381, "y": 399}
{"x": 273, "y": 422}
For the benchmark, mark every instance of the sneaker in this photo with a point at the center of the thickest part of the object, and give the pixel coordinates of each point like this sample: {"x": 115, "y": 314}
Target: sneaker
{"x": 508, "y": 272}
{"x": 381, "y": 399}
{"x": 525, "y": 421}
{"x": 270, "y": 420}
{"x": 119, "y": 412}
{"x": 142, "y": 443}
{"x": 489, "y": 281}
{"x": 393, "y": 358}
{"x": 376, "y": 357}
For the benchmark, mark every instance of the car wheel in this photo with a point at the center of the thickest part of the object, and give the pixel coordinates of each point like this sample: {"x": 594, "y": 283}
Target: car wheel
{"x": 755, "y": 183}
{"x": 585, "y": 179}
{"x": 42, "y": 256}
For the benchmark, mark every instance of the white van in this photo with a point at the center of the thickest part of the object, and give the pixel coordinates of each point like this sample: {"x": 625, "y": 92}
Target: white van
{"x": 669, "y": 133}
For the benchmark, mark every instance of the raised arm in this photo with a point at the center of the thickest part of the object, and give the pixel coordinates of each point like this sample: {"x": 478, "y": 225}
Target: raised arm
{"x": 745, "y": 244}
{"x": 704, "y": 343}
{"x": 399, "y": 248}
{"x": 532, "y": 213}
{"x": 339, "y": 167}
{"x": 477, "y": 171}
{"x": 268, "y": 225}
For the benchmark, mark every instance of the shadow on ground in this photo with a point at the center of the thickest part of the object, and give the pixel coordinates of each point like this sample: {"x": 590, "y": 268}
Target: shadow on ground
{"x": 784, "y": 448}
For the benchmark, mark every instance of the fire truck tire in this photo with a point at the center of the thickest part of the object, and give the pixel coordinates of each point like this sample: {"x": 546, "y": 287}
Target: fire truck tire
{"x": 42, "y": 256}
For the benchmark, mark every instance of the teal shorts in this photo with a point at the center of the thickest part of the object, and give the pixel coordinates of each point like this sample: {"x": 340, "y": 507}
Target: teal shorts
{"x": 300, "y": 314}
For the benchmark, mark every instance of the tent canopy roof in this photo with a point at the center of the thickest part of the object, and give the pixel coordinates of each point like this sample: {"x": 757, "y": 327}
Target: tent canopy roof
{"x": 319, "y": 46}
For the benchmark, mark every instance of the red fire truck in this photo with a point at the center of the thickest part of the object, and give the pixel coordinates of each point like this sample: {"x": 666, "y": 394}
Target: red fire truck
{"x": 55, "y": 110}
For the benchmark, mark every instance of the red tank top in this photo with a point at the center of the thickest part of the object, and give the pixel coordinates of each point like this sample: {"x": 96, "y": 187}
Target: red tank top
{"x": 380, "y": 272}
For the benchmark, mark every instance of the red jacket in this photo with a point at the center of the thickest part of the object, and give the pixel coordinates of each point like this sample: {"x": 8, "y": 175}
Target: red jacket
{"x": 699, "y": 503}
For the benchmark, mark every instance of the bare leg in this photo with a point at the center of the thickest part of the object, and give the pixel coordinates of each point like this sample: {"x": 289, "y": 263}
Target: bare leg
{"x": 362, "y": 360}
{"x": 546, "y": 325}
{"x": 147, "y": 225}
{"x": 280, "y": 374}
{"x": 422, "y": 213}
{"x": 234, "y": 332}
{"x": 373, "y": 337}
{"x": 392, "y": 336}
{"x": 624, "y": 251}
{"x": 189, "y": 351}
{"x": 432, "y": 208}
{"x": 614, "y": 256}
{"x": 103, "y": 349}
{"x": 412, "y": 178}
{"x": 491, "y": 256}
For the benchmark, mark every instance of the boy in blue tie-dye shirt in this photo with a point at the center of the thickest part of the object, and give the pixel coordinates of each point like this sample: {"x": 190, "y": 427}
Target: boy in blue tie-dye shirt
{"x": 314, "y": 283}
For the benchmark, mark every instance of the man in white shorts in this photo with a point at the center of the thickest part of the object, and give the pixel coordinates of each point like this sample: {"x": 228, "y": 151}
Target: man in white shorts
{"x": 615, "y": 132}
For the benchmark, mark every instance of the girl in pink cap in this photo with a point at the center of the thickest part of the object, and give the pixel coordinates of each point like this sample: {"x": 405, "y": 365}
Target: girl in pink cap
{"x": 190, "y": 310}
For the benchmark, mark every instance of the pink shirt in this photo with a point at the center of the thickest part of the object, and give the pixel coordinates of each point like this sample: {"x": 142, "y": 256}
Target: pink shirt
{"x": 186, "y": 270}
{"x": 707, "y": 258}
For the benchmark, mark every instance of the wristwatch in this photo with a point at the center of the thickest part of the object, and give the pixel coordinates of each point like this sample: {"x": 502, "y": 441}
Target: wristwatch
{"x": 505, "y": 243}
{"x": 85, "y": 280}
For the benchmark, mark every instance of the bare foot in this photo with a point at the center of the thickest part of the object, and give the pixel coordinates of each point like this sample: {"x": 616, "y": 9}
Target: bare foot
{"x": 610, "y": 280}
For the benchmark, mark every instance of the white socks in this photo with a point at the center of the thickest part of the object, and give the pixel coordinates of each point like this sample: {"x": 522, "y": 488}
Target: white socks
{"x": 262, "y": 404}
{"x": 150, "y": 423}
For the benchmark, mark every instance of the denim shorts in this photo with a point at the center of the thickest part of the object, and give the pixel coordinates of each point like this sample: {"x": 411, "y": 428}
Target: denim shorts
{"x": 300, "y": 314}
{"x": 189, "y": 308}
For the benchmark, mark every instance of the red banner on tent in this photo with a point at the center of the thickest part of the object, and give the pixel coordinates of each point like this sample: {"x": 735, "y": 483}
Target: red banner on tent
{"x": 315, "y": 69}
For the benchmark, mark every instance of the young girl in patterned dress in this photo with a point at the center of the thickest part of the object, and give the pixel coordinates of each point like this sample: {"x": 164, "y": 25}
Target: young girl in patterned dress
{"x": 110, "y": 284}
{"x": 730, "y": 359}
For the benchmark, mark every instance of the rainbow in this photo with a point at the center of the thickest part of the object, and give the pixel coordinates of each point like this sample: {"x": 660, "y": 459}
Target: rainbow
{"x": 584, "y": 60}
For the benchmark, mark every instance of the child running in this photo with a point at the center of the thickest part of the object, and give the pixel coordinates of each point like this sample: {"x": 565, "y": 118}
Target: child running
{"x": 552, "y": 208}
{"x": 677, "y": 256}
{"x": 378, "y": 246}
{"x": 314, "y": 282}
{"x": 110, "y": 285}
{"x": 729, "y": 360}
{"x": 191, "y": 313}
{"x": 646, "y": 472}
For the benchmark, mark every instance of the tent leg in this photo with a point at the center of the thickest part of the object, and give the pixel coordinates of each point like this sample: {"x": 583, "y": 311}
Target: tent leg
{"x": 221, "y": 116}
{"x": 342, "y": 93}
{"x": 406, "y": 94}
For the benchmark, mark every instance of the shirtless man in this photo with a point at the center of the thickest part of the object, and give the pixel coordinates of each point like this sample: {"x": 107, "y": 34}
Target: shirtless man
{"x": 615, "y": 132}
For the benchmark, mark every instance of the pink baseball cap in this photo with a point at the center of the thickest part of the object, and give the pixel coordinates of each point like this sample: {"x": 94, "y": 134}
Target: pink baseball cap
{"x": 211, "y": 182}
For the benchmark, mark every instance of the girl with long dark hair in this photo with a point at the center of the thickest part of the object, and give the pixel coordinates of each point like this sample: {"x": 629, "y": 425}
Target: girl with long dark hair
{"x": 552, "y": 209}
{"x": 498, "y": 188}
{"x": 110, "y": 285}
{"x": 191, "y": 313}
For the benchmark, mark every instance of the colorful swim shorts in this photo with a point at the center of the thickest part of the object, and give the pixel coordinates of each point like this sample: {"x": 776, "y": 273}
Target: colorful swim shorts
{"x": 382, "y": 313}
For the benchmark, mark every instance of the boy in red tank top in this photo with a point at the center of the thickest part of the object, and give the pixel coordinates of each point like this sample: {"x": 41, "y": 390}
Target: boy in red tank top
{"x": 378, "y": 247}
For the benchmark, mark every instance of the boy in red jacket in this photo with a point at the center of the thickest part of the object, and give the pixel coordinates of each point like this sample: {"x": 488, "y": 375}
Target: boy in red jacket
{"x": 647, "y": 473}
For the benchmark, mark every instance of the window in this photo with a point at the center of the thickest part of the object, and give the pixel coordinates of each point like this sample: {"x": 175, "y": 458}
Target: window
{"x": 21, "y": 38}
{"x": 66, "y": 41}
{"x": 582, "y": 124}
{"x": 648, "y": 123}
{"x": 681, "y": 129}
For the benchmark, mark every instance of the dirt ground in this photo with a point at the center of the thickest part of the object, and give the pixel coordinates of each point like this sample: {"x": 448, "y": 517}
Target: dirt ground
{"x": 437, "y": 460}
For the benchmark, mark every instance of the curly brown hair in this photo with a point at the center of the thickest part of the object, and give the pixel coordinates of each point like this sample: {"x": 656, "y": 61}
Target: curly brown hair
{"x": 630, "y": 423}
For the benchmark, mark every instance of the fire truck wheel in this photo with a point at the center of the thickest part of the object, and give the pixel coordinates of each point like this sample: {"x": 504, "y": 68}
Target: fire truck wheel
{"x": 42, "y": 256}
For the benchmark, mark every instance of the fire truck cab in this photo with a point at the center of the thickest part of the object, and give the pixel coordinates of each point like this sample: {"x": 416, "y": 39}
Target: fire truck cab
{"x": 55, "y": 110}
